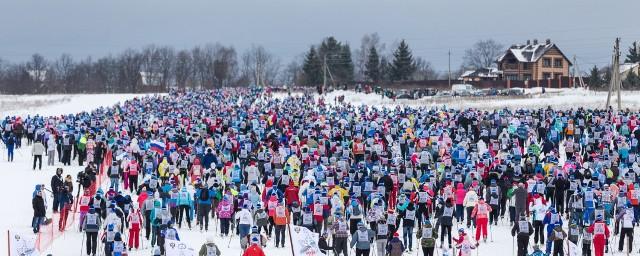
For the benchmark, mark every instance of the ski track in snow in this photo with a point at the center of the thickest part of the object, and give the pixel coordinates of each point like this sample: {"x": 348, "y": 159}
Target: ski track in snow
{"x": 19, "y": 179}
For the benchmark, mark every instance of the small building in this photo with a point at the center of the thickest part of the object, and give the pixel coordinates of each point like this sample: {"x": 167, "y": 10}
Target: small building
{"x": 481, "y": 74}
{"x": 150, "y": 82}
{"x": 627, "y": 68}
{"x": 533, "y": 61}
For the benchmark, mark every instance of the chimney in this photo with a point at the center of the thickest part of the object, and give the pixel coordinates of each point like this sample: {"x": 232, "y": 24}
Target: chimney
{"x": 528, "y": 42}
{"x": 548, "y": 41}
{"x": 535, "y": 41}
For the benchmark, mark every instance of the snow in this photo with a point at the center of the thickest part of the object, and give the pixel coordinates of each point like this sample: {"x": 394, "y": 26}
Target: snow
{"x": 533, "y": 98}
{"x": 57, "y": 104}
{"x": 19, "y": 179}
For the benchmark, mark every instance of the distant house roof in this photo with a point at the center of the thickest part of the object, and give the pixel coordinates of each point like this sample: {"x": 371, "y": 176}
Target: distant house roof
{"x": 530, "y": 52}
{"x": 628, "y": 66}
{"x": 482, "y": 73}
{"x": 149, "y": 78}
{"x": 37, "y": 75}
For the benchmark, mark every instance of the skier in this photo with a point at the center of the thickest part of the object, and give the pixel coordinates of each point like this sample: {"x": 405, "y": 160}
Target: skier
{"x": 362, "y": 240}
{"x": 395, "y": 247}
{"x": 134, "y": 224}
{"x": 600, "y": 233}
{"x": 209, "y": 248}
{"x": 626, "y": 219}
{"x": 91, "y": 225}
{"x": 523, "y": 229}
{"x": 481, "y": 213}
{"x": 427, "y": 236}
{"x": 463, "y": 244}
{"x": 254, "y": 249}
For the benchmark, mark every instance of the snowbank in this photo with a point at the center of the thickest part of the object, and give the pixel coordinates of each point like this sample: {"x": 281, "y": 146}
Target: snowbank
{"x": 533, "y": 98}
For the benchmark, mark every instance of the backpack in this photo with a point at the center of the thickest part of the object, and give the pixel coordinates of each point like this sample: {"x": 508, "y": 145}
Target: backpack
{"x": 356, "y": 210}
{"x": 204, "y": 194}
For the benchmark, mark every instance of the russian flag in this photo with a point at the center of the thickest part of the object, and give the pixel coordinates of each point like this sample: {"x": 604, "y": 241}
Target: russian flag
{"x": 157, "y": 146}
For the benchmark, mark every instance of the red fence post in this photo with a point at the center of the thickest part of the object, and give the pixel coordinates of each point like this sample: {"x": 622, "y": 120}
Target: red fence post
{"x": 8, "y": 243}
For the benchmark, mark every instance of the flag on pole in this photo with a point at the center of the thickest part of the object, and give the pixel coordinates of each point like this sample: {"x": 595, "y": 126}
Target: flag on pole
{"x": 157, "y": 146}
{"x": 23, "y": 245}
{"x": 177, "y": 248}
{"x": 304, "y": 242}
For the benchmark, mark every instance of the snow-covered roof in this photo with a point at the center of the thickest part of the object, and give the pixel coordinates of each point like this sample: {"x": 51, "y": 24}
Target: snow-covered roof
{"x": 37, "y": 75}
{"x": 482, "y": 72}
{"x": 149, "y": 78}
{"x": 628, "y": 66}
{"x": 530, "y": 52}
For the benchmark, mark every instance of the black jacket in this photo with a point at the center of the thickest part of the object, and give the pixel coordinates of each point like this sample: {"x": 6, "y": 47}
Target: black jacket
{"x": 38, "y": 206}
{"x": 56, "y": 183}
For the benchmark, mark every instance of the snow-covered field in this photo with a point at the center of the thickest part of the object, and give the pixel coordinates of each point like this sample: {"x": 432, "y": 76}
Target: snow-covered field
{"x": 19, "y": 179}
{"x": 533, "y": 98}
{"x": 57, "y": 104}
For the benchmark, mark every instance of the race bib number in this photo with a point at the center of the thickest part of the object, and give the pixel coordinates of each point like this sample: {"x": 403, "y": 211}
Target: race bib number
{"x": 427, "y": 233}
{"x": 599, "y": 229}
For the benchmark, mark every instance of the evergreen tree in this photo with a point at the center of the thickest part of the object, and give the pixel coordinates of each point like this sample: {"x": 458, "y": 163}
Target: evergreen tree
{"x": 594, "y": 78}
{"x": 338, "y": 57}
{"x": 373, "y": 65}
{"x": 312, "y": 68}
{"x": 633, "y": 56}
{"x": 403, "y": 64}
{"x": 346, "y": 66}
{"x": 632, "y": 81}
{"x": 606, "y": 77}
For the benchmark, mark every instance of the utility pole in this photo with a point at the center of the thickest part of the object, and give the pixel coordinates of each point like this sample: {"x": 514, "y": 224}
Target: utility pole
{"x": 449, "y": 68}
{"x": 324, "y": 73}
{"x": 576, "y": 73}
{"x": 615, "y": 74}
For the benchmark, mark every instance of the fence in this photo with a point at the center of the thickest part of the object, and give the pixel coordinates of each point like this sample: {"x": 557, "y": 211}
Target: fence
{"x": 49, "y": 233}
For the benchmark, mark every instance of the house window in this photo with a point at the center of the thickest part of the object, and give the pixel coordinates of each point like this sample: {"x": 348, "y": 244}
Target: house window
{"x": 546, "y": 75}
{"x": 557, "y": 63}
{"x": 546, "y": 62}
{"x": 526, "y": 77}
{"x": 511, "y": 77}
{"x": 525, "y": 65}
{"x": 557, "y": 75}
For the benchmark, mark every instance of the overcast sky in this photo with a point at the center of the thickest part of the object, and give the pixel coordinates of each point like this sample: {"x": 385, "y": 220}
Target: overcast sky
{"x": 287, "y": 28}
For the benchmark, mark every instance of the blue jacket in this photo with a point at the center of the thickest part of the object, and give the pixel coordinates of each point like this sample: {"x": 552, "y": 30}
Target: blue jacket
{"x": 208, "y": 201}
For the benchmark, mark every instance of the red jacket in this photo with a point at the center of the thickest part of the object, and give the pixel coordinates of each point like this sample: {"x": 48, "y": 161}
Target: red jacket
{"x": 253, "y": 250}
{"x": 600, "y": 236}
{"x": 291, "y": 194}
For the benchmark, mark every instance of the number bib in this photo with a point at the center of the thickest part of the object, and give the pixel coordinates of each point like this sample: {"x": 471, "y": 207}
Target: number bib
{"x": 599, "y": 229}
{"x": 523, "y": 226}
{"x": 427, "y": 233}
{"x": 383, "y": 229}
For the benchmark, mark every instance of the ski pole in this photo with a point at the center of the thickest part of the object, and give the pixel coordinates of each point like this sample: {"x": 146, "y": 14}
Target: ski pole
{"x": 82, "y": 244}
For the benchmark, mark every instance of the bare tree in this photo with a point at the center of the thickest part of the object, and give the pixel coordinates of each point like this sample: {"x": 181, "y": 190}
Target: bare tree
{"x": 361, "y": 55}
{"x": 225, "y": 65}
{"x": 107, "y": 74}
{"x": 62, "y": 69}
{"x": 424, "y": 70}
{"x": 166, "y": 65}
{"x": 130, "y": 64}
{"x": 482, "y": 54}
{"x": 183, "y": 68}
{"x": 37, "y": 70}
{"x": 260, "y": 66}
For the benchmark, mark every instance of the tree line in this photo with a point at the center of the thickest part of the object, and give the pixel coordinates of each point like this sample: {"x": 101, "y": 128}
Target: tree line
{"x": 208, "y": 66}
{"x": 600, "y": 78}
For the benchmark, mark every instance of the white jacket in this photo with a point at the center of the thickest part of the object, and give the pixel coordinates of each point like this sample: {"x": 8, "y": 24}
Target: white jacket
{"x": 470, "y": 199}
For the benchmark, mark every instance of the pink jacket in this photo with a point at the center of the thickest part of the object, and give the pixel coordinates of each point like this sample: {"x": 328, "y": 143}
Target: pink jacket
{"x": 225, "y": 209}
{"x": 481, "y": 211}
{"x": 460, "y": 193}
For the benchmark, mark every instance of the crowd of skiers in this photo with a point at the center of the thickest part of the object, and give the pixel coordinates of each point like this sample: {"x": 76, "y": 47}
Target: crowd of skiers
{"x": 380, "y": 181}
